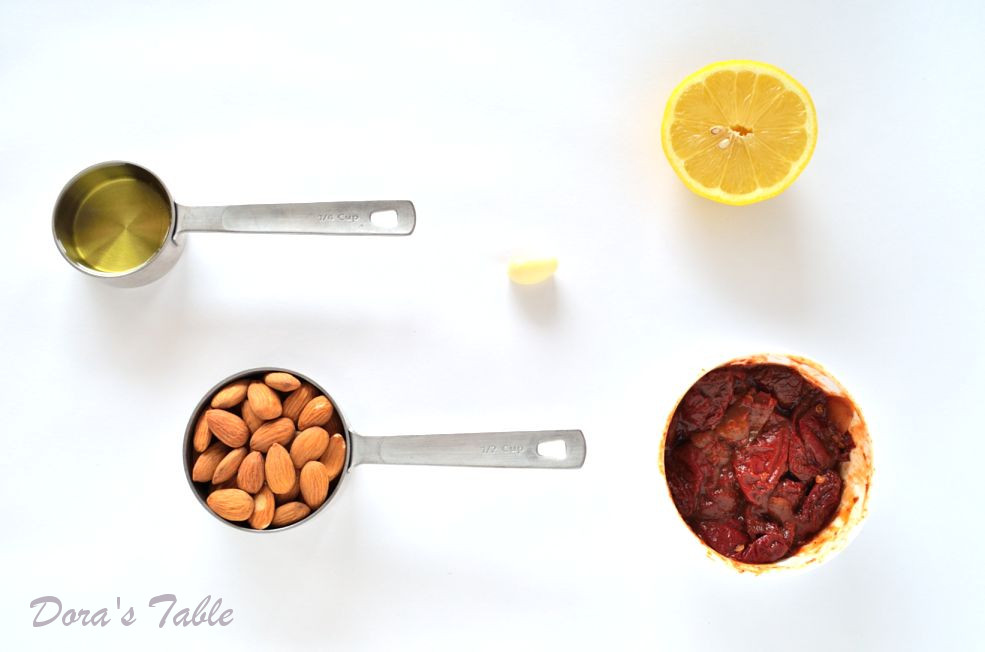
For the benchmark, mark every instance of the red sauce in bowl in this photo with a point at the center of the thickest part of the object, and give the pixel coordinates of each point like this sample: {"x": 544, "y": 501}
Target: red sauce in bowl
{"x": 753, "y": 457}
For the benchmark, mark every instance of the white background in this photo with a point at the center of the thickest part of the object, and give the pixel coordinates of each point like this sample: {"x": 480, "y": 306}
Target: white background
{"x": 512, "y": 126}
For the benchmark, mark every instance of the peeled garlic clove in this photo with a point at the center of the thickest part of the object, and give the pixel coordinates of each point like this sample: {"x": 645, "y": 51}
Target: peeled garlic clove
{"x": 528, "y": 271}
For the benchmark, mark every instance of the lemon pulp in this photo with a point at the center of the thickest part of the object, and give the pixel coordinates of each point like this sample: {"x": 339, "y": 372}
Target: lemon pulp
{"x": 739, "y": 132}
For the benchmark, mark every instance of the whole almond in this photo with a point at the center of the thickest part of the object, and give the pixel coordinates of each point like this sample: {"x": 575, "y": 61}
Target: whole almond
{"x": 289, "y": 513}
{"x": 314, "y": 484}
{"x": 230, "y": 396}
{"x": 253, "y": 422}
{"x": 228, "y": 466}
{"x": 263, "y": 509}
{"x": 228, "y": 484}
{"x": 296, "y": 401}
{"x": 228, "y": 427}
{"x": 282, "y": 381}
{"x": 250, "y": 476}
{"x": 316, "y": 413}
{"x": 264, "y": 401}
{"x": 205, "y": 463}
{"x": 231, "y": 504}
{"x": 279, "y": 469}
{"x": 334, "y": 457}
{"x": 288, "y": 496}
{"x": 309, "y": 445}
{"x": 202, "y": 437}
{"x": 280, "y": 432}
{"x": 334, "y": 424}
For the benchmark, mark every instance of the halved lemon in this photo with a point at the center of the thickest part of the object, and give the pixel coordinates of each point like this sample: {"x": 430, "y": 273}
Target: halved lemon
{"x": 739, "y": 132}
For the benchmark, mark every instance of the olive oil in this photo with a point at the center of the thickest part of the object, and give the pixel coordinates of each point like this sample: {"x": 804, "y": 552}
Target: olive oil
{"x": 119, "y": 225}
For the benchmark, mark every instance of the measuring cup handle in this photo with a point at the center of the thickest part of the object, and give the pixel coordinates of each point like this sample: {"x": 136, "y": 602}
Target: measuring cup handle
{"x": 528, "y": 449}
{"x": 387, "y": 217}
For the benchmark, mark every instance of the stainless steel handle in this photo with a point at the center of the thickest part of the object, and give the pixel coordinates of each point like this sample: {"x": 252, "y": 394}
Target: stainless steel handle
{"x": 499, "y": 449}
{"x": 329, "y": 218}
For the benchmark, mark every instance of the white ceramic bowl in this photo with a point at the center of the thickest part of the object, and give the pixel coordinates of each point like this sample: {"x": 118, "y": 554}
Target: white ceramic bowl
{"x": 856, "y": 473}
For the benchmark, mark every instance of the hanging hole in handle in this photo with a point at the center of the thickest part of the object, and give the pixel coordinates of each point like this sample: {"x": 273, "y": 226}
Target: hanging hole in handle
{"x": 384, "y": 219}
{"x": 555, "y": 449}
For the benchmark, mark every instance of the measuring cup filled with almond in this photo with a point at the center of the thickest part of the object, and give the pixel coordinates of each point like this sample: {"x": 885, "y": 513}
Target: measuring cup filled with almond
{"x": 267, "y": 449}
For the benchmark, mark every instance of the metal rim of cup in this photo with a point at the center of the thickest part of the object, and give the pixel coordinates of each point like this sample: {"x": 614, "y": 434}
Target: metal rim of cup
{"x": 62, "y": 197}
{"x": 188, "y": 454}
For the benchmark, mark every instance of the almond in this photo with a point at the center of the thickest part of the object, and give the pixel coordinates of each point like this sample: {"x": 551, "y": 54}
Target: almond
{"x": 296, "y": 401}
{"x": 205, "y": 464}
{"x": 228, "y": 484}
{"x": 316, "y": 413}
{"x": 202, "y": 437}
{"x": 230, "y": 396}
{"x": 334, "y": 424}
{"x": 250, "y": 476}
{"x": 228, "y": 427}
{"x": 282, "y": 381}
{"x": 309, "y": 445}
{"x": 334, "y": 457}
{"x": 228, "y": 466}
{"x": 289, "y": 495}
{"x": 264, "y": 401}
{"x": 231, "y": 504}
{"x": 279, "y": 469}
{"x": 263, "y": 509}
{"x": 253, "y": 422}
{"x": 273, "y": 432}
{"x": 289, "y": 513}
{"x": 314, "y": 484}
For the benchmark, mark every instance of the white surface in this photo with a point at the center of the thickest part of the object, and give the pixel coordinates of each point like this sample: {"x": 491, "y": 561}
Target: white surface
{"x": 511, "y": 125}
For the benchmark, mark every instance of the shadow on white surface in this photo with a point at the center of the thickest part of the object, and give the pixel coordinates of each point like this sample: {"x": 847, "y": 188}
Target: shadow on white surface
{"x": 190, "y": 320}
{"x": 134, "y": 331}
{"x": 859, "y": 577}
{"x": 539, "y": 304}
{"x": 350, "y": 566}
{"x": 751, "y": 257}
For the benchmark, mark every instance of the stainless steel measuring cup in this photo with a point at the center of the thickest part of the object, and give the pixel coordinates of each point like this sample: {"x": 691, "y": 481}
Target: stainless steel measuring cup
{"x": 520, "y": 449}
{"x": 116, "y": 221}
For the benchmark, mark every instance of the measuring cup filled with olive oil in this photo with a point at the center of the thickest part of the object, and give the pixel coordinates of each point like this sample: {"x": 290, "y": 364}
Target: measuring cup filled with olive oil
{"x": 119, "y": 223}
{"x": 116, "y": 221}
